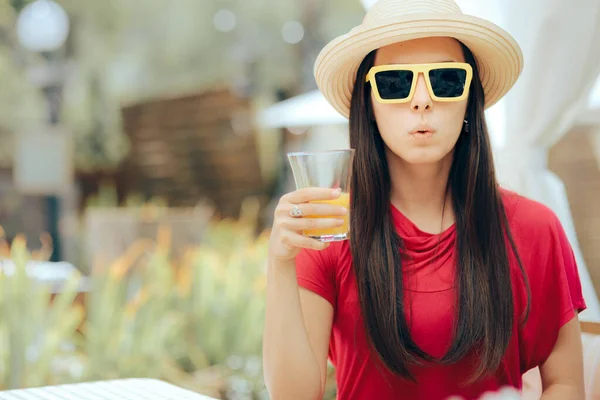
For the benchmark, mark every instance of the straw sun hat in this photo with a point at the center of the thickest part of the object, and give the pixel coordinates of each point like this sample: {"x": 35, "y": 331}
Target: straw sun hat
{"x": 498, "y": 56}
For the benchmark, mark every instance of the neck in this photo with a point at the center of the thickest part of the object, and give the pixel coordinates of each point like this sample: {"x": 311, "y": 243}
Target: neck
{"x": 419, "y": 192}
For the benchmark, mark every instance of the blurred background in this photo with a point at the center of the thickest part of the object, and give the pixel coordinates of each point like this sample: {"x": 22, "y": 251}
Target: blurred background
{"x": 142, "y": 150}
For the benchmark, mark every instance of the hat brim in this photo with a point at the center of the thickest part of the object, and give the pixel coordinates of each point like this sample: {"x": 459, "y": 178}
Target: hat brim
{"x": 498, "y": 56}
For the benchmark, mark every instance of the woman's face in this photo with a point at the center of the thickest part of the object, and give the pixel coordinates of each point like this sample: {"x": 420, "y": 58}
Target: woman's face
{"x": 399, "y": 124}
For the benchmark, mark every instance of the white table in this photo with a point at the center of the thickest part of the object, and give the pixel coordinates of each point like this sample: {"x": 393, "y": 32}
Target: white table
{"x": 121, "y": 389}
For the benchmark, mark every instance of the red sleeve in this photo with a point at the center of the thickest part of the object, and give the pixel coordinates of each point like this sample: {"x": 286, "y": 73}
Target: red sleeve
{"x": 574, "y": 292}
{"x": 556, "y": 293}
{"x": 316, "y": 272}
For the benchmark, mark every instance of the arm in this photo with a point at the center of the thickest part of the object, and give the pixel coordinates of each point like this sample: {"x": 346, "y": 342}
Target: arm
{"x": 297, "y": 321}
{"x": 562, "y": 373}
{"x": 296, "y": 338}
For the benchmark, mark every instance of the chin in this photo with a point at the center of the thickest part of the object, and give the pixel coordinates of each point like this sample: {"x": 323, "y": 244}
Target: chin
{"x": 421, "y": 156}
{"x": 422, "y": 160}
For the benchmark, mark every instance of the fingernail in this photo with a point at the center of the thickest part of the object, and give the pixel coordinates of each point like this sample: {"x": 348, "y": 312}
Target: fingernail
{"x": 340, "y": 221}
{"x": 337, "y": 191}
{"x": 344, "y": 210}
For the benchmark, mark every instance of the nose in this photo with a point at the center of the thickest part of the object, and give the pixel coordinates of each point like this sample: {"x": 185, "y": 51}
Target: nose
{"x": 421, "y": 100}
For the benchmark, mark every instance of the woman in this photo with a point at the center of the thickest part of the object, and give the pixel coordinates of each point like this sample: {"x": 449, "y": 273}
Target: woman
{"x": 449, "y": 285}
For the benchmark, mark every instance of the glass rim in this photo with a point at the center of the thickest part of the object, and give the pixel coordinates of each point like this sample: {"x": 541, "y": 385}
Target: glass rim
{"x": 318, "y": 152}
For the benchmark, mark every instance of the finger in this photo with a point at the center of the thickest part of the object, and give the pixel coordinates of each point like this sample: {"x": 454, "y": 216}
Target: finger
{"x": 292, "y": 239}
{"x": 301, "y": 224}
{"x": 311, "y": 209}
{"x": 310, "y": 194}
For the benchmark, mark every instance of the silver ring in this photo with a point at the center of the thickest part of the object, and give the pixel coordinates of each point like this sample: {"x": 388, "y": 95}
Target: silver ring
{"x": 296, "y": 212}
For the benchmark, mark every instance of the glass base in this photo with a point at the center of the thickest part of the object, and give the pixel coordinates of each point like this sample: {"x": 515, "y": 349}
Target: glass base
{"x": 332, "y": 238}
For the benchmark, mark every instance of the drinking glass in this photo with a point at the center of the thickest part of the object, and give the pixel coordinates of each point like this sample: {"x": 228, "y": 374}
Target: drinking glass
{"x": 326, "y": 169}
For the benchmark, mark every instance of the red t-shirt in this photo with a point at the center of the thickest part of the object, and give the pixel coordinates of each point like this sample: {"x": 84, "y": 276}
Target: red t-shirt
{"x": 430, "y": 300}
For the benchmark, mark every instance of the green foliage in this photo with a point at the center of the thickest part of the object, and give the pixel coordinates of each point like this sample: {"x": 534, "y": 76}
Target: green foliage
{"x": 35, "y": 326}
{"x": 147, "y": 314}
{"x": 18, "y": 5}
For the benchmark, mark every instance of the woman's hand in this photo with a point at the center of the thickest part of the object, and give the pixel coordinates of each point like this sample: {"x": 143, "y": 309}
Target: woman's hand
{"x": 294, "y": 214}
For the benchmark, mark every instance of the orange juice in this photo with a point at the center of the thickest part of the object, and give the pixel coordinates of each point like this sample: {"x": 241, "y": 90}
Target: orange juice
{"x": 344, "y": 201}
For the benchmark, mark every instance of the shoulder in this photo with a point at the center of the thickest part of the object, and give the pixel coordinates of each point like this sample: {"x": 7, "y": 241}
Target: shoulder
{"x": 541, "y": 241}
{"x": 529, "y": 219}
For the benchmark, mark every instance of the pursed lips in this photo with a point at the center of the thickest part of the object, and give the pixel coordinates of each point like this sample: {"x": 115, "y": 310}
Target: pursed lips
{"x": 423, "y": 130}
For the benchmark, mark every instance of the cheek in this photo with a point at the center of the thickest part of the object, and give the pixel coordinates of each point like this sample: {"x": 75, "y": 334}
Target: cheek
{"x": 450, "y": 127}
{"x": 454, "y": 121}
{"x": 393, "y": 120}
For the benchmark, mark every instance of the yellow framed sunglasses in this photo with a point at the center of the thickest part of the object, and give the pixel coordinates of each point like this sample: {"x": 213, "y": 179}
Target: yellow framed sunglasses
{"x": 396, "y": 83}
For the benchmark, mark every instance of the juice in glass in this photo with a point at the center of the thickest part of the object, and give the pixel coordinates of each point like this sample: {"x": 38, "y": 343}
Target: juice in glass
{"x": 339, "y": 232}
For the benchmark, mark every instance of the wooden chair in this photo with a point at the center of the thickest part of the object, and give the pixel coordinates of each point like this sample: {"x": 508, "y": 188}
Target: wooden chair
{"x": 590, "y": 327}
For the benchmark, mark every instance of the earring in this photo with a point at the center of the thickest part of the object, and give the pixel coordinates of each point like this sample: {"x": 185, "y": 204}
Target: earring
{"x": 466, "y": 126}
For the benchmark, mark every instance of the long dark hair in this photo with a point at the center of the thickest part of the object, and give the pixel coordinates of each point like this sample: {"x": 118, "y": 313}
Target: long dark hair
{"x": 484, "y": 313}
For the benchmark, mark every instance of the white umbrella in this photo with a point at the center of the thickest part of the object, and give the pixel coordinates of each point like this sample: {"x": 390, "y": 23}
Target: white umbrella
{"x": 308, "y": 109}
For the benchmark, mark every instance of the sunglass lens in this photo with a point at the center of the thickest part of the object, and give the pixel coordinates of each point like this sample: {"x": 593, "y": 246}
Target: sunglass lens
{"x": 394, "y": 85}
{"x": 448, "y": 82}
